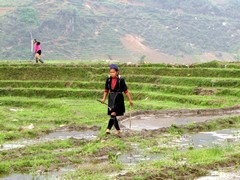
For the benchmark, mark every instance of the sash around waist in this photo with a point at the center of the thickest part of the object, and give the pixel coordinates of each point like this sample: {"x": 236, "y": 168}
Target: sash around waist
{"x": 115, "y": 92}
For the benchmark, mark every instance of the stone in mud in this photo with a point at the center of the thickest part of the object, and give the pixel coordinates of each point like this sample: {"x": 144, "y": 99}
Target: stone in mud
{"x": 29, "y": 127}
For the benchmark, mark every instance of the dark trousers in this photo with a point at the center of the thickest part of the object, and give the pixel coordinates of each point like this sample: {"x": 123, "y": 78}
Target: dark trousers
{"x": 113, "y": 121}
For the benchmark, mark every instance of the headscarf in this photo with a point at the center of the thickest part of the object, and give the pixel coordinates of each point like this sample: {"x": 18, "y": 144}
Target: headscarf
{"x": 113, "y": 66}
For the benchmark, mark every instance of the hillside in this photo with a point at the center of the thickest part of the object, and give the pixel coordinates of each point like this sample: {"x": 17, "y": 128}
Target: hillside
{"x": 52, "y": 126}
{"x": 127, "y": 30}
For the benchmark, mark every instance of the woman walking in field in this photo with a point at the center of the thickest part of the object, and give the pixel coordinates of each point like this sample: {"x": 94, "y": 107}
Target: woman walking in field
{"x": 37, "y": 50}
{"x": 115, "y": 86}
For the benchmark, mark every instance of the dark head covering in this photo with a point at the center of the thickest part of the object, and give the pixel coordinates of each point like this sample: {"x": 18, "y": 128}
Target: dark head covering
{"x": 113, "y": 66}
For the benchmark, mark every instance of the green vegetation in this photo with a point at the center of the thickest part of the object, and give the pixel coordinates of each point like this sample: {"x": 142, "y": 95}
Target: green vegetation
{"x": 56, "y": 95}
{"x": 189, "y": 164}
{"x": 28, "y": 16}
{"x": 95, "y": 30}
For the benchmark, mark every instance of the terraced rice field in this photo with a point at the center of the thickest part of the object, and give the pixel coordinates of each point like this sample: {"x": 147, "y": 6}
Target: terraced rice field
{"x": 41, "y": 99}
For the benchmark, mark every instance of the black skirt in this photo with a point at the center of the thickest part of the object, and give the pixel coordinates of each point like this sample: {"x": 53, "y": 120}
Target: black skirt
{"x": 116, "y": 103}
{"x": 39, "y": 52}
{"x": 115, "y": 97}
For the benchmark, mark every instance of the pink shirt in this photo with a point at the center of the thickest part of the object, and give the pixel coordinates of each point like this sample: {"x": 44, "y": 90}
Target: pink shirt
{"x": 36, "y": 47}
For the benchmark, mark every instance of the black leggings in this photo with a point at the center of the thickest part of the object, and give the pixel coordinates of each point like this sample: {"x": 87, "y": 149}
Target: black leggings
{"x": 113, "y": 121}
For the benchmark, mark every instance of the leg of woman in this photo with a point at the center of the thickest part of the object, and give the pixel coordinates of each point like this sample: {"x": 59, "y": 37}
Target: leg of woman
{"x": 36, "y": 57}
{"x": 110, "y": 124}
{"x": 116, "y": 125}
{"x": 40, "y": 59}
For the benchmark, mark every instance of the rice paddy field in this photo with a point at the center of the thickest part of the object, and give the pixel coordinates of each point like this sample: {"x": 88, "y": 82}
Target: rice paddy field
{"x": 52, "y": 127}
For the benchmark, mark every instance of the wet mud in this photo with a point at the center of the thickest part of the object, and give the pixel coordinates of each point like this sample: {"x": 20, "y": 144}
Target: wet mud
{"x": 60, "y": 134}
{"x": 183, "y": 143}
{"x": 44, "y": 176}
{"x": 137, "y": 155}
{"x": 223, "y": 175}
{"x": 211, "y": 139}
{"x": 205, "y": 139}
{"x": 143, "y": 123}
{"x": 152, "y": 120}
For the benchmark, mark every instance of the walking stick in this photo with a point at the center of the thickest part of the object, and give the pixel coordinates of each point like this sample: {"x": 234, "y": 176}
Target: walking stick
{"x": 105, "y": 104}
{"x": 130, "y": 122}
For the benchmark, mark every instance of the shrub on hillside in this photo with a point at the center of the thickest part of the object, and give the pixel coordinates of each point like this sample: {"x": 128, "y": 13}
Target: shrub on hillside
{"x": 28, "y": 16}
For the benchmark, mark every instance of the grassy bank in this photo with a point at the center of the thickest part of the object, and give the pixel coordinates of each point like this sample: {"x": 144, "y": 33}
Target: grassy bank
{"x": 56, "y": 95}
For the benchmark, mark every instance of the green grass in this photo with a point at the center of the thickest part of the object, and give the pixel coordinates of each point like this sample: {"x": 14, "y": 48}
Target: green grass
{"x": 54, "y": 154}
{"x": 188, "y": 164}
{"x": 60, "y": 93}
{"x": 47, "y": 72}
{"x": 134, "y": 86}
{"x": 47, "y": 115}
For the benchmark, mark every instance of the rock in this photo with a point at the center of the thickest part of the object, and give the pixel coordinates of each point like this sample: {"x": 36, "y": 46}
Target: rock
{"x": 31, "y": 126}
{"x": 14, "y": 109}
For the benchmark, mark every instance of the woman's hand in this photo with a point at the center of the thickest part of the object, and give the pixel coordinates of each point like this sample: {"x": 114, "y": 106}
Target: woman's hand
{"x": 129, "y": 98}
{"x": 131, "y": 103}
{"x": 104, "y": 97}
{"x": 103, "y": 100}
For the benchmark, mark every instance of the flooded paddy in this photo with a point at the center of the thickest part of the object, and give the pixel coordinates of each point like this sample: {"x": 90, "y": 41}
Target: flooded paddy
{"x": 44, "y": 176}
{"x": 209, "y": 139}
{"x": 137, "y": 154}
{"x": 216, "y": 175}
{"x": 185, "y": 142}
{"x": 57, "y": 135}
{"x": 151, "y": 120}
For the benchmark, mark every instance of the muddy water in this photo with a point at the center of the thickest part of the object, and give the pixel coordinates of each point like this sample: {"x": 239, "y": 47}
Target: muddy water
{"x": 162, "y": 119}
{"x": 137, "y": 155}
{"x": 57, "y": 135}
{"x": 53, "y": 175}
{"x": 209, "y": 139}
{"x": 199, "y": 140}
{"x": 214, "y": 175}
{"x": 88, "y": 135}
{"x": 151, "y": 122}
{"x": 135, "y": 158}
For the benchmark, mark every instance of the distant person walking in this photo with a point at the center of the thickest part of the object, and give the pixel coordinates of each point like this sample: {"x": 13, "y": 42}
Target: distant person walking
{"x": 115, "y": 86}
{"x": 37, "y": 50}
